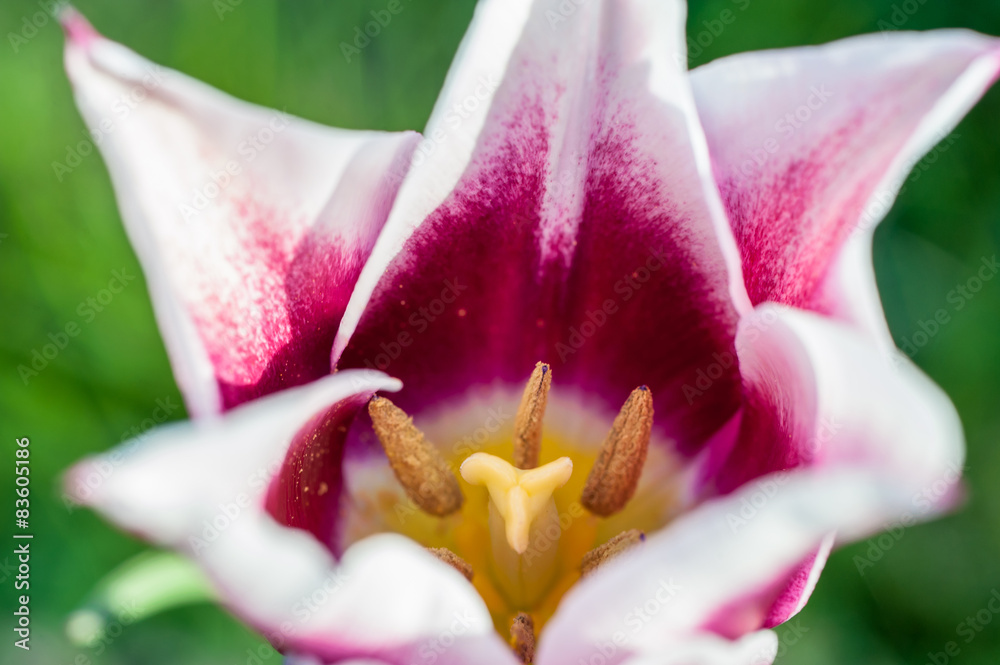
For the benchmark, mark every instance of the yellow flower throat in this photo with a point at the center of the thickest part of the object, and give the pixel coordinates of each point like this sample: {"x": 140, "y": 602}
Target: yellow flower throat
{"x": 522, "y": 533}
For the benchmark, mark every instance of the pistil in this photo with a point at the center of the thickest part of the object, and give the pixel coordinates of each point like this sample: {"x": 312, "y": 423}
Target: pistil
{"x": 522, "y": 510}
{"x": 528, "y": 566}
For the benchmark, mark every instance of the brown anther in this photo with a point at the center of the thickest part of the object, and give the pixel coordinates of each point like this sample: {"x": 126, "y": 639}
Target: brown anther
{"x": 453, "y": 560}
{"x": 613, "y": 479}
{"x": 528, "y": 421}
{"x": 598, "y": 556}
{"x": 418, "y": 465}
{"x": 522, "y": 631}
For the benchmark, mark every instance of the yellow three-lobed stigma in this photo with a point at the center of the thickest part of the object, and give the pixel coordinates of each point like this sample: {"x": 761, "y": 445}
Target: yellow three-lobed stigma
{"x": 519, "y": 495}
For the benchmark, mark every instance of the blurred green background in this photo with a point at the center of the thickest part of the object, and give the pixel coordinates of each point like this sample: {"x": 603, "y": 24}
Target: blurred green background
{"x": 60, "y": 240}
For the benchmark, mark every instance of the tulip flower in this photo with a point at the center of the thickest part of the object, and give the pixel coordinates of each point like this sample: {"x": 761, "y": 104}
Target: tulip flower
{"x": 594, "y": 370}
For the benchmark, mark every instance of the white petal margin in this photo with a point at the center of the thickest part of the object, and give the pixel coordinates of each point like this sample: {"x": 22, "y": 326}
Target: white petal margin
{"x": 718, "y": 568}
{"x": 510, "y": 46}
{"x": 309, "y": 660}
{"x": 223, "y": 201}
{"x": 759, "y": 648}
{"x": 199, "y": 487}
{"x": 811, "y": 146}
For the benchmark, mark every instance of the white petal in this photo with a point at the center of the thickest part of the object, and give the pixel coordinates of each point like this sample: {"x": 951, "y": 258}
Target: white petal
{"x": 757, "y": 648}
{"x": 251, "y": 226}
{"x": 200, "y": 488}
{"x": 872, "y": 434}
{"x": 811, "y": 145}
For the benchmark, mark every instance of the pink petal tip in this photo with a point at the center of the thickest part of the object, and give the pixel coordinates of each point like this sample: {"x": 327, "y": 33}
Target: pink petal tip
{"x": 77, "y": 28}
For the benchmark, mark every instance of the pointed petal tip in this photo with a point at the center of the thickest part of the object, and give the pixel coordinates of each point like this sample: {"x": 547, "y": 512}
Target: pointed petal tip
{"x": 78, "y": 29}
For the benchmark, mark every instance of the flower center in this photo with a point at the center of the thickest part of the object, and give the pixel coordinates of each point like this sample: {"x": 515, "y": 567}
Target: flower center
{"x": 523, "y": 533}
{"x": 521, "y": 506}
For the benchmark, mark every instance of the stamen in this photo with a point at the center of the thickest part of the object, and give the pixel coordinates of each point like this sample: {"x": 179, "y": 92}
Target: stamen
{"x": 522, "y": 632}
{"x": 613, "y": 479}
{"x": 418, "y": 465}
{"x": 528, "y": 422}
{"x": 520, "y": 495}
{"x": 453, "y": 560}
{"x": 599, "y": 556}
